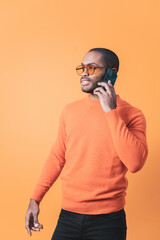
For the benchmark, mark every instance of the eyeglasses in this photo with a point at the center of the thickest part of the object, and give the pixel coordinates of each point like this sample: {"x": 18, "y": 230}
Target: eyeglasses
{"x": 90, "y": 69}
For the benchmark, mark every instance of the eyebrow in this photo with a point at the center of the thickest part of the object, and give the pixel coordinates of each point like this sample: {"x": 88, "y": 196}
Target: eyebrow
{"x": 89, "y": 63}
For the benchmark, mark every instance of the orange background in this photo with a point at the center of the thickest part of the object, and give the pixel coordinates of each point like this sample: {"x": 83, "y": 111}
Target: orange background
{"x": 41, "y": 44}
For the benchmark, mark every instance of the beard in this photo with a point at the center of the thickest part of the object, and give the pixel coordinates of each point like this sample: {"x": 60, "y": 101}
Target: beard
{"x": 90, "y": 88}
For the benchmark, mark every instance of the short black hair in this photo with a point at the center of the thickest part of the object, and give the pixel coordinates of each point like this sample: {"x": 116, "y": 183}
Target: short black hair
{"x": 108, "y": 56}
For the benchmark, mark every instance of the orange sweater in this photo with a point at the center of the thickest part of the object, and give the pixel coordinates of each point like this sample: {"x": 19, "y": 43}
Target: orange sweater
{"x": 95, "y": 149}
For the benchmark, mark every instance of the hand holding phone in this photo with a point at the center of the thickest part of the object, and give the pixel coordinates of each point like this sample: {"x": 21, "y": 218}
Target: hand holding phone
{"x": 109, "y": 75}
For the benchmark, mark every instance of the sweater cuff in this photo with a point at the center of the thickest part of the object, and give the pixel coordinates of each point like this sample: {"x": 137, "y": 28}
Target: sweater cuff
{"x": 112, "y": 116}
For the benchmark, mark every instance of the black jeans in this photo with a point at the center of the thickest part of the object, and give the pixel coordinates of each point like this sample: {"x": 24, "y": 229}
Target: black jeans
{"x": 76, "y": 226}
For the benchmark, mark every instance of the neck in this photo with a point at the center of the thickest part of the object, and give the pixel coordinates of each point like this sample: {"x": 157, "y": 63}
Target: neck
{"x": 93, "y": 96}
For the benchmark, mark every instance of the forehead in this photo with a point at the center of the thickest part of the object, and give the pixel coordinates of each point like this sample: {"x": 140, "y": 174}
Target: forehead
{"x": 93, "y": 57}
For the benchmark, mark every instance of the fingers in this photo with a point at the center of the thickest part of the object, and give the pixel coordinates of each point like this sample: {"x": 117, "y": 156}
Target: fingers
{"x": 35, "y": 218}
{"x": 99, "y": 90}
{"x": 97, "y": 93}
{"x": 35, "y": 229}
{"x": 41, "y": 226}
{"x": 27, "y": 225}
{"x": 31, "y": 223}
{"x": 29, "y": 231}
{"x": 37, "y": 225}
{"x": 108, "y": 86}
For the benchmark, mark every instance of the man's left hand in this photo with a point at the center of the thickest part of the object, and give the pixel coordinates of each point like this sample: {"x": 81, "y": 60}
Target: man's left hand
{"x": 107, "y": 98}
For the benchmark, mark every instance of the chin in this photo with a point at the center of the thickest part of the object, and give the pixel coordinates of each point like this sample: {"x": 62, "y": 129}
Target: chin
{"x": 87, "y": 90}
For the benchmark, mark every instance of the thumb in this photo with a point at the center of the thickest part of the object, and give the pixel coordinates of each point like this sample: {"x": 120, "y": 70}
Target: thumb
{"x": 35, "y": 220}
{"x": 110, "y": 83}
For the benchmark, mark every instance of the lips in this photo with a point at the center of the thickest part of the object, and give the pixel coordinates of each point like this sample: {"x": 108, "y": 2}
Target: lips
{"x": 85, "y": 82}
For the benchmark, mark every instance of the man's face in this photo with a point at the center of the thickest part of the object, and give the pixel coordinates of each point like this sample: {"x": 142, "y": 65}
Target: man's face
{"x": 96, "y": 59}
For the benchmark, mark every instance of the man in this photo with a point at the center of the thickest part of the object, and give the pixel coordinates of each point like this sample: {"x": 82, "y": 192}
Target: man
{"x": 100, "y": 138}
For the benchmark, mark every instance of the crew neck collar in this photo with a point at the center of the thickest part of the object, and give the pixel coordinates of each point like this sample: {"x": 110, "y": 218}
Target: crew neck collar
{"x": 97, "y": 101}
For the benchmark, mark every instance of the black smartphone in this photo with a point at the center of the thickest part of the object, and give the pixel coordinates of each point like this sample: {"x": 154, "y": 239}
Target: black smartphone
{"x": 109, "y": 75}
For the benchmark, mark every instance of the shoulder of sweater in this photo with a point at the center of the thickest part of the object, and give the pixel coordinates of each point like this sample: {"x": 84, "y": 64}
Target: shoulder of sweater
{"x": 130, "y": 113}
{"x": 126, "y": 106}
{"x": 72, "y": 106}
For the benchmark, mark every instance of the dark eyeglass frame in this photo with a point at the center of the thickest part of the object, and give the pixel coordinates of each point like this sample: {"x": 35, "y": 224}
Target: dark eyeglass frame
{"x": 85, "y": 66}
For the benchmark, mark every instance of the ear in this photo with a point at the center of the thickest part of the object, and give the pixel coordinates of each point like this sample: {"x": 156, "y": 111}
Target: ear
{"x": 114, "y": 70}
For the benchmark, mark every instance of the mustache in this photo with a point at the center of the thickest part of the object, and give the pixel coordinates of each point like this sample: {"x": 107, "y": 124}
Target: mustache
{"x": 85, "y": 78}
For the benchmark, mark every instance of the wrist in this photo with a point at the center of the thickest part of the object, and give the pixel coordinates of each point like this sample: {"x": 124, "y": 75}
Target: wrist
{"x": 33, "y": 200}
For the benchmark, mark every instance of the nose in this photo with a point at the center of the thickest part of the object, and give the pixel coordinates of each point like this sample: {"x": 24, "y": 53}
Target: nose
{"x": 85, "y": 72}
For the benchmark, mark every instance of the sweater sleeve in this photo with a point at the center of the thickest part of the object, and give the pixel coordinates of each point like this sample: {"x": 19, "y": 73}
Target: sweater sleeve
{"x": 129, "y": 140}
{"x": 54, "y": 163}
